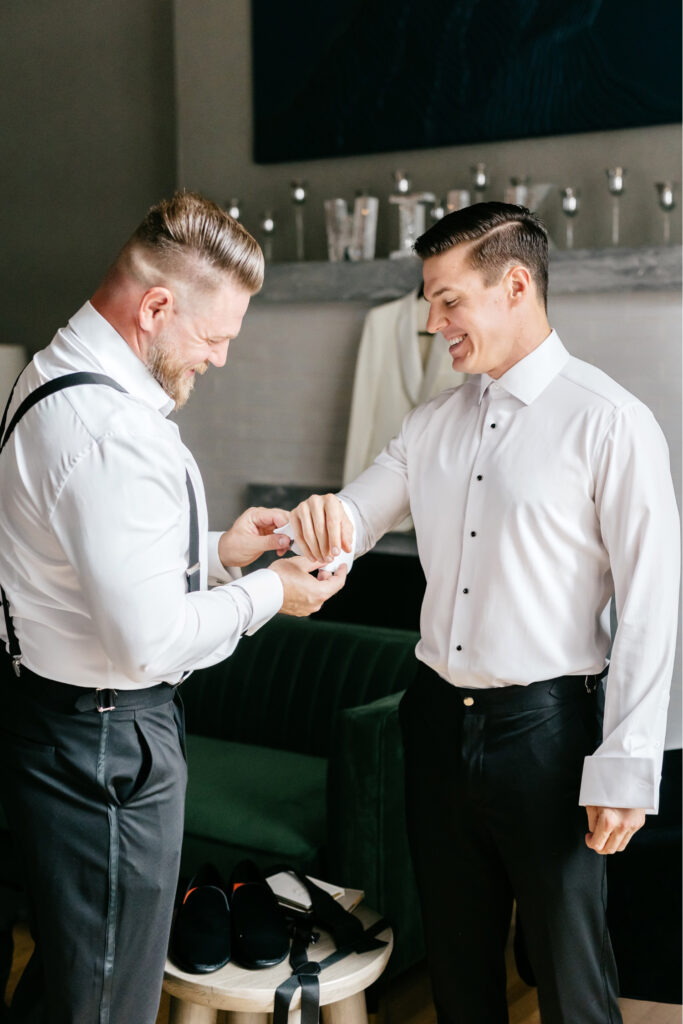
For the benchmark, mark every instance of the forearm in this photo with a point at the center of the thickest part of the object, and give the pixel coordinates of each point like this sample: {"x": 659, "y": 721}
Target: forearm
{"x": 217, "y": 572}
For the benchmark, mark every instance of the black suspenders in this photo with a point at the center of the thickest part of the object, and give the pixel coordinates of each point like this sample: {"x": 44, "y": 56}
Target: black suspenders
{"x": 71, "y": 380}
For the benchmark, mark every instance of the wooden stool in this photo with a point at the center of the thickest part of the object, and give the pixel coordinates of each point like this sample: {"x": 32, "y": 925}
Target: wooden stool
{"x": 248, "y": 996}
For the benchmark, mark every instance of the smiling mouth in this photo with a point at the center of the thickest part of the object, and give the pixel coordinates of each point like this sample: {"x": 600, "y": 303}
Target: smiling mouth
{"x": 455, "y": 343}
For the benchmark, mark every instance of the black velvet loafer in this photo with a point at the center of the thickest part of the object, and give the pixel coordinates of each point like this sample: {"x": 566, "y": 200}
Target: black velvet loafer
{"x": 200, "y": 937}
{"x": 259, "y": 929}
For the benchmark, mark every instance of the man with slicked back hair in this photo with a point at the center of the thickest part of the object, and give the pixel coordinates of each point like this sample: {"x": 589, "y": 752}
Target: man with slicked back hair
{"x": 540, "y": 491}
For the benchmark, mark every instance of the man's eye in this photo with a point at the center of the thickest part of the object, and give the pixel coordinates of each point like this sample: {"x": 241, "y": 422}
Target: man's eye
{"x": 450, "y": 302}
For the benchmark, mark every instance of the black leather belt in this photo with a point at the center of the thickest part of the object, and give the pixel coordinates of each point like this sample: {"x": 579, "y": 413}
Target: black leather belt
{"x": 66, "y": 698}
{"x": 514, "y": 696}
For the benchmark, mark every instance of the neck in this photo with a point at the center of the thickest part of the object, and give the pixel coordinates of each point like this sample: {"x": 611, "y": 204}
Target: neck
{"x": 532, "y": 334}
{"x": 117, "y": 300}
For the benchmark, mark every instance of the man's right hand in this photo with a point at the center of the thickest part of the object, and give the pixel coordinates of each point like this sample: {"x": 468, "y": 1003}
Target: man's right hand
{"x": 321, "y": 527}
{"x": 304, "y": 594}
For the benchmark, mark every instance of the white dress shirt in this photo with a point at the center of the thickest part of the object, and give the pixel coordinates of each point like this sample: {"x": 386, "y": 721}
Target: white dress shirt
{"x": 535, "y": 499}
{"x": 94, "y": 528}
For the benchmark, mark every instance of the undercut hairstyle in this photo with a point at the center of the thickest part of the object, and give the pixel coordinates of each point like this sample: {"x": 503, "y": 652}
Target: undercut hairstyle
{"x": 191, "y": 240}
{"x": 500, "y": 235}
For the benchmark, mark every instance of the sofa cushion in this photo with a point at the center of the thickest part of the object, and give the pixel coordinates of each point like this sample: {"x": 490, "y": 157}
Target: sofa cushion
{"x": 285, "y": 686}
{"x": 268, "y": 802}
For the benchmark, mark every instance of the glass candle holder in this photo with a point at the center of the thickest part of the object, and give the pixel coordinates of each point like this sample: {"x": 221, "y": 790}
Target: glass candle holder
{"x": 458, "y": 199}
{"x": 299, "y": 199}
{"x": 338, "y": 229}
{"x": 480, "y": 182}
{"x": 234, "y": 208}
{"x": 411, "y": 220}
{"x": 615, "y": 184}
{"x": 267, "y": 225}
{"x": 364, "y": 227}
{"x": 438, "y": 211}
{"x": 401, "y": 182}
{"x": 667, "y": 202}
{"x": 518, "y": 192}
{"x": 570, "y": 208}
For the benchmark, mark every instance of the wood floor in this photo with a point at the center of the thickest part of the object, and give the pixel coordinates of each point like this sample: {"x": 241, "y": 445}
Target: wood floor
{"x": 409, "y": 1000}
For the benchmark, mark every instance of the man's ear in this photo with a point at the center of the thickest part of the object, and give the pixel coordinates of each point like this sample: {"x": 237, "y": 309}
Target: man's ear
{"x": 518, "y": 283}
{"x": 155, "y": 309}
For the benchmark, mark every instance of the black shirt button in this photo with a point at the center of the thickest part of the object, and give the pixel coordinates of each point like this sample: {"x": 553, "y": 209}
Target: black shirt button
{"x": 480, "y": 477}
{"x": 493, "y": 426}
{"x": 459, "y": 647}
{"x": 466, "y": 590}
{"x": 473, "y": 533}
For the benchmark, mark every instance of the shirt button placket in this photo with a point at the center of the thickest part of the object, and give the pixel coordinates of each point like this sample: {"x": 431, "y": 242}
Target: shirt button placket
{"x": 473, "y": 508}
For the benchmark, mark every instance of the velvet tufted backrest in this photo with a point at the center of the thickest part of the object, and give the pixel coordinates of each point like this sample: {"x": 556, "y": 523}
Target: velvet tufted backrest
{"x": 285, "y": 686}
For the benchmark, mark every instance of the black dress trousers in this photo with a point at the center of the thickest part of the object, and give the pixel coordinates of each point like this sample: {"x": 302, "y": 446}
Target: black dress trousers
{"x": 94, "y": 802}
{"x": 492, "y": 787}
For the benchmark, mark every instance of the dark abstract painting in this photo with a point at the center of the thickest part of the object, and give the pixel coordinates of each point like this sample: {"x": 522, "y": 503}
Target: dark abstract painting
{"x": 369, "y": 76}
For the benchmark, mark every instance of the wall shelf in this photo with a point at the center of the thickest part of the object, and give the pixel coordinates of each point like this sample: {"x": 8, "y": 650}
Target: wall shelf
{"x": 649, "y": 268}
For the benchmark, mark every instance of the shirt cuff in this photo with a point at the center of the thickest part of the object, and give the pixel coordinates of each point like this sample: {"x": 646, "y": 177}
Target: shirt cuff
{"x": 349, "y": 556}
{"x": 620, "y": 782}
{"x": 217, "y": 573}
{"x": 266, "y": 593}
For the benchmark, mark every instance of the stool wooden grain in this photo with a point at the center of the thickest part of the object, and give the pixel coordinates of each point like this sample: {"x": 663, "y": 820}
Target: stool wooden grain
{"x": 246, "y": 997}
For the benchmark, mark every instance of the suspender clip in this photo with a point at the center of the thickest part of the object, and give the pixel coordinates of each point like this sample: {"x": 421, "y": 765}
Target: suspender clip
{"x": 591, "y": 684}
{"x": 16, "y": 664}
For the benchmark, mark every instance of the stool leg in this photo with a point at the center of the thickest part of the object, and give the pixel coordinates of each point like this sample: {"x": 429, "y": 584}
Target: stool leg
{"x": 181, "y": 1012}
{"x": 347, "y": 1011}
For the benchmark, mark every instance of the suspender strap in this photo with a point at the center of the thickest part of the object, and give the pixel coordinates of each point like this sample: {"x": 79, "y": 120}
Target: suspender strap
{"x": 9, "y": 402}
{"x": 14, "y": 648}
{"x": 192, "y": 574}
{"x": 70, "y": 380}
{"x": 349, "y": 937}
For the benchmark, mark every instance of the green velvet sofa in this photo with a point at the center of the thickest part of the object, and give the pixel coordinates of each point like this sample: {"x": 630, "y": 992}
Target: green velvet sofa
{"x": 294, "y": 756}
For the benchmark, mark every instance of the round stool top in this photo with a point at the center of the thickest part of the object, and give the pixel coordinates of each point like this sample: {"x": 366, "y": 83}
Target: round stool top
{"x": 234, "y": 988}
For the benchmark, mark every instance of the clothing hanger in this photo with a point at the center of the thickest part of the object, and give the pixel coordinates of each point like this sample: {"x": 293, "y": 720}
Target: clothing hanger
{"x": 421, "y": 295}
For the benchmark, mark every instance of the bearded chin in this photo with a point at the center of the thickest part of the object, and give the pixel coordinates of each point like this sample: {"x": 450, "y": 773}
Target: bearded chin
{"x": 170, "y": 373}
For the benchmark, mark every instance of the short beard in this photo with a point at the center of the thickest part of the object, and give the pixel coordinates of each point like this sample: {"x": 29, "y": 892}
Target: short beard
{"x": 164, "y": 366}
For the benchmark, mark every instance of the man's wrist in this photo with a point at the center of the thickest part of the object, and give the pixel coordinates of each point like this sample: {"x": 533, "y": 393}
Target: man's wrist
{"x": 218, "y": 555}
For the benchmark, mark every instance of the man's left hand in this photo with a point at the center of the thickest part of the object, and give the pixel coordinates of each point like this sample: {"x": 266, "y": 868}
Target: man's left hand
{"x": 251, "y": 535}
{"x": 611, "y": 828}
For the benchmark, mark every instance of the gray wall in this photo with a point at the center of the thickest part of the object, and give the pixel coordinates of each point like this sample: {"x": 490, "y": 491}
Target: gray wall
{"x": 88, "y": 136}
{"x": 213, "y": 67}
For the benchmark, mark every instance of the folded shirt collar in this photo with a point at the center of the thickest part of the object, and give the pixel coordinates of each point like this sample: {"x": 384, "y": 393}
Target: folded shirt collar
{"x": 528, "y": 378}
{"x": 96, "y": 336}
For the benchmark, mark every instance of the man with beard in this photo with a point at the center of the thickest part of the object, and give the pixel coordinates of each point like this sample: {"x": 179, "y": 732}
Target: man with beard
{"x": 540, "y": 489}
{"x": 105, "y": 564}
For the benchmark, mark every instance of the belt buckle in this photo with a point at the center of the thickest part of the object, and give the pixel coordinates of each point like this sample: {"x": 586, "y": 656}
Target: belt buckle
{"x": 106, "y": 703}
